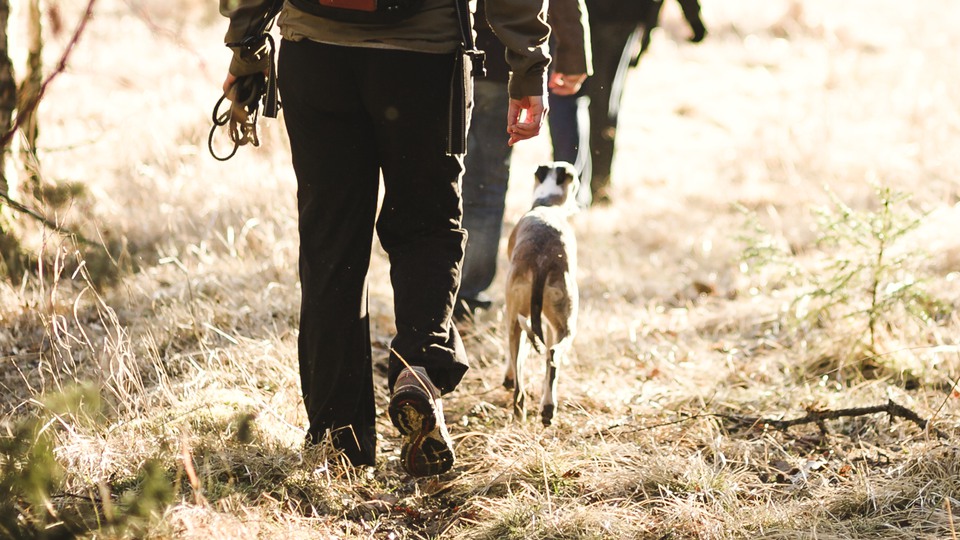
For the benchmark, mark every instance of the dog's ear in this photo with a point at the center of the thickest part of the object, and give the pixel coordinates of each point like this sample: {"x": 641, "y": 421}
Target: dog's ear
{"x": 541, "y": 173}
{"x": 565, "y": 174}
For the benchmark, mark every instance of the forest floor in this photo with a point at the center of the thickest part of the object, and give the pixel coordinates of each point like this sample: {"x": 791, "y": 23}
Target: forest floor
{"x": 781, "y": 245}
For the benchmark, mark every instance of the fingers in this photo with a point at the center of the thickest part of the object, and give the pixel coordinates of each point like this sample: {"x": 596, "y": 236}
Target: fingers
{"x": 532, "y": 111}
{"x": 522, "y": 132}
{"x": 228, "y": 82}
{"x": 564, "y": 84}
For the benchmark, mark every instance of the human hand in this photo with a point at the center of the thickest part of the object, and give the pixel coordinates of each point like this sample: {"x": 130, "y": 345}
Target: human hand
{"x": 228, "y": 82}
{"x": 563, "y": 84}
{"x": 531, "y": 110}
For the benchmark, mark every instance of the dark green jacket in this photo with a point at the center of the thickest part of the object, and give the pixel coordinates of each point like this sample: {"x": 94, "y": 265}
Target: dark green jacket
{"x": 570, "y": 37}
{"x": 521, "y": 25}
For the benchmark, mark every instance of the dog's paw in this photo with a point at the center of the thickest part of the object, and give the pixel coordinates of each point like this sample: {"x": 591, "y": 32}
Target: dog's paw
{"x": 546, "y": 415}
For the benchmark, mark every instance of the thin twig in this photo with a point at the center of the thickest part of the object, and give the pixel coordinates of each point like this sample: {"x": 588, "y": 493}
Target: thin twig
{"x": 953, "y": 388}
{"x": 166, "y": 33}
{"x": 24, "y": 112}
{"x": 20, "y": 207}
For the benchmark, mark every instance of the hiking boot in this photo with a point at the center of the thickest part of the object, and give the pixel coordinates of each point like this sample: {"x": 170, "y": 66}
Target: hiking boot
{"x": 416, "y": 410}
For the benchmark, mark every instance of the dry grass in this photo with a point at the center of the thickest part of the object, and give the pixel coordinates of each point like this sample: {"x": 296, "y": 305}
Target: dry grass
{"x": 188, "y": 361}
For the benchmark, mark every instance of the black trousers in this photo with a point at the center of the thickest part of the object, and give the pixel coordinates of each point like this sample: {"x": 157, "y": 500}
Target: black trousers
{"x": 352, "y": 113}
{"x": 611, "y": 61}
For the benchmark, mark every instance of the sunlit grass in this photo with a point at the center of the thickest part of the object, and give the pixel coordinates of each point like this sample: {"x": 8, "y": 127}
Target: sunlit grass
{"x": 192, "y": 353}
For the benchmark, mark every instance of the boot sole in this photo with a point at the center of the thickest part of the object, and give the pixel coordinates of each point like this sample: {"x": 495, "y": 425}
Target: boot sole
{"x": 414, "y": 416}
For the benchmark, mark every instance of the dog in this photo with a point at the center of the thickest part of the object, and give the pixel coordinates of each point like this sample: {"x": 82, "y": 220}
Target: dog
{"x": 542, "y": 284}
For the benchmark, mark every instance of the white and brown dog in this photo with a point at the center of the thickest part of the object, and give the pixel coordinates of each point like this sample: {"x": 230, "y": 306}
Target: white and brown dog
{"x": 542, "y": 284}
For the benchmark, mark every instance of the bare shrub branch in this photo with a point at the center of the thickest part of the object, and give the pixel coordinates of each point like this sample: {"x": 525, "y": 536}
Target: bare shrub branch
{"x": 891, "y": 407}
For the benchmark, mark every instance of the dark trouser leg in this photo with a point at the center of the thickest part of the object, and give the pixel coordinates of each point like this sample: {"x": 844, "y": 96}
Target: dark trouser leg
{"x": 484, "y": 188}
{"x": 649, "y": 22}
{"x": 335, "y": 159}
{"x": 420, "y": 217}
{"x": 691, "y": 12}
{"x": 564, "y": 128}
{"x": 611, "y": 60}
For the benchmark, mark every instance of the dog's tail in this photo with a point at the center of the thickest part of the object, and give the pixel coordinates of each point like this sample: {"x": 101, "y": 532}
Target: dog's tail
{"x": 536, "y": 308}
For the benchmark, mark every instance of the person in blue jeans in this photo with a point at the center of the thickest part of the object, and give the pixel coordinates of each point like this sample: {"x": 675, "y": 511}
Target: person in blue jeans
{"x": 487, "y": 162}
{"x": 583, "y": 126}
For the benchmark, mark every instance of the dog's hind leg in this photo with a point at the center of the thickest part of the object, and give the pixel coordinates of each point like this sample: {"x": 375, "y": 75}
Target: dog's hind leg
{"x": 514, "y": 375}
{"x": 513, "y": 346}
{"x": 559, "y": 343}
{"x": 548, "y": 400}
{"x": 548, "y": 403}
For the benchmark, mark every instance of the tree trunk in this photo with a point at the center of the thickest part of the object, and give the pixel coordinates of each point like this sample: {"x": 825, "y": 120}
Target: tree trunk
{"x": 10, "y": 252}
{"x": 29, "y": 91}
{"x": 8, "y": 93}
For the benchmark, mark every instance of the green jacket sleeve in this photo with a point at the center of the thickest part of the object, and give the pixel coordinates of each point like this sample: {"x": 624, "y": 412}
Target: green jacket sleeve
{"x": 244, "y": 16}
{"x": 521, "y": 25}
{"x": 571, "y": 36}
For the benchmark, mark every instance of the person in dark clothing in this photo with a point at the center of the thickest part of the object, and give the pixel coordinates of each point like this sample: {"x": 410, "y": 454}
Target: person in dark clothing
{"x": 362, "y": 99}
{"x": 691, "y": 13}
{"x": 487, "y": 162}
{"x": 616, "y": 29}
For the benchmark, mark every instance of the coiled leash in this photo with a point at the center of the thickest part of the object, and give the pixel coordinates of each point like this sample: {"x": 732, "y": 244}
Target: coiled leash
{"x": 249, "y": 91}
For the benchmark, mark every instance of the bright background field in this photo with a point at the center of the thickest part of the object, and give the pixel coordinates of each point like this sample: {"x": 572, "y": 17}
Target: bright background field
{"x": 782, "y": 244}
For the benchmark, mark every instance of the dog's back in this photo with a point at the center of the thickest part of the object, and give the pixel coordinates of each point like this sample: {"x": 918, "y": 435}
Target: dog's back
{"x": 541, "y": 282}
{"x": 543, "y": 259}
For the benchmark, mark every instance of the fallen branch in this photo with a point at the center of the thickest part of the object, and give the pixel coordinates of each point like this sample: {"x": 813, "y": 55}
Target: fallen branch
{"x": 819, "y": 416}
{"x": 609, "y": 429}
{"x": 892, "y": 408}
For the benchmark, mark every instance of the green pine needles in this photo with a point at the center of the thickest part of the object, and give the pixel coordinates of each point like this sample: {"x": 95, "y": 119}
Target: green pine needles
{"x": 863, "y": 277}
{"x": 34, "y": 501}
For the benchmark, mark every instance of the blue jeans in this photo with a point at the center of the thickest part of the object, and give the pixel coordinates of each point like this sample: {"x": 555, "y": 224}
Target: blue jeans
{"x": 486, "y": 172}
{"x": 569, "y": 133}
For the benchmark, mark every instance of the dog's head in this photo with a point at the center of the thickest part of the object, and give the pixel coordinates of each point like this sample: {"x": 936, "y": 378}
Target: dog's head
{"x": 556, "y": 185}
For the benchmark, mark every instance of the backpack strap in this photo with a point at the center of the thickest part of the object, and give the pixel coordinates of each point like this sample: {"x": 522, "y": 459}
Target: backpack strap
{"x": 467, "y": 42}
{"x": 468, "y": 63}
